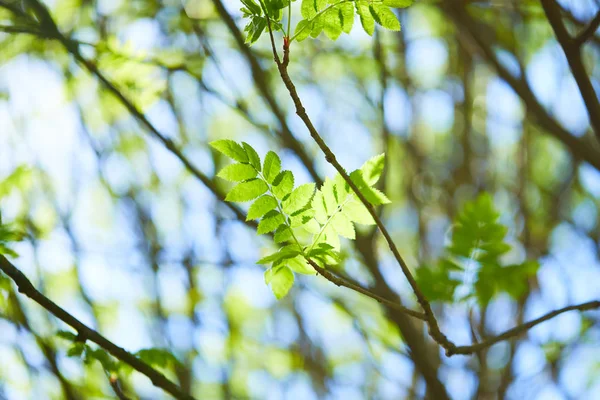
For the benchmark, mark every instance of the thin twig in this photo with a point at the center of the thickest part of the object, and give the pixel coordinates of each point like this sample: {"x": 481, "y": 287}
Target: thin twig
{"x": 520, "y": 329}
{"x": 26, "y": 287}
{"x": 342, "y": 282}
{"x": 588, "y": 32}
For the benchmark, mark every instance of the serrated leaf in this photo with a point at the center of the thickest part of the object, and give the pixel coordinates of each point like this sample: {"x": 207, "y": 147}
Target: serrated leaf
{"x": 231, "y": 149}
{"x": 366, "y": 19}
{"x": 271, "y": 221}
{"x": 247, "y": 191}
{"x": 384, "y": 17}
{"x": 301, "y": 218}
{"x": 373, "y": 196}
{"x": 343, "y": 226}
{"x": 283, "y": 254}
{"x": 272, "y": 166}
{"x": 316, "y": 27}
{"x": 332, "y": 23}
{"x": 310, "y": 8}
{"x": 330, "y": 196}
{"x": 398, "y": 3}
{"x": 300, "y": 265}
{"x": 252, "y": 6}
{"x": 318, "y": 205}
{"x": 347, "y": 16}
{"x": 281, "y": 281}
{"x": 237, "y": 172}
{"x": 302, "y": 30}
{"x": 261, "y": 206}
{"x": 355, "y": 211}
{"x": 253, "y": 156}
{"x": 283, "y": 184}
{"x": 299, "y": 198}
{"x": 255, "y": 28}
{"x": 312, "y": 226}
{"x": 282, "y": 234}
{"x": 372, "y": 169}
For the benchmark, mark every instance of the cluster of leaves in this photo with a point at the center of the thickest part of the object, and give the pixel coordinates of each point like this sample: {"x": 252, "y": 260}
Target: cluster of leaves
{"x": 155, "y": 357}
{"x": 478, "y": 241}
{"x": 329, "y": 16}
{"x": 8, "y": 235}
{"x": 305, "y": 214}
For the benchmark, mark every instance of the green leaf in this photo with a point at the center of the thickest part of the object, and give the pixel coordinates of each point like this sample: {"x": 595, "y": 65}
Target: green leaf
{"x": 254, "y": 29}
{"x": 271, "y": 221}
{"x": 373, "y": 196}
{"x": 436, "y": 282}
{"x": 237, "y": 172}
{"x": 272, "y": 166}
{"x": 398, "y": 3}
{"x": 76, "y": 350}
{"x": 281, "y": 281}
{"x": 261, "y": 206}
{"x": 384, "y": 16}
{"x": 66, "y": 335}
{"x": 247, "y": 191}
{"x": 342, "y": 225}
{"x": 299, "y": 198}
{"x": 302, "y": 30}
{"x": 347, "y": 16}
{"x": 332, "y": 23}
{"x": 366, "y": 19}
{"x": 330, "y": 196}
{"x": 283, "y": 254}
{"x": 310, "y": 8}
{"x": 231, "y": 149}
{"x": 316, "y": 27}
{"x": 283, "y": 184}
{"x": 158, "y": 357}
{"x": 252, "y": 6}
{"x": 253, "y": 156}
{"x": 477, "y": 234}
{"x": 282, "y": 234}
{"x": 318, "y": 205}
{"x": 372, "y": 169}
{"x": 300, "y": 265}
{"x": 355, "y": 211}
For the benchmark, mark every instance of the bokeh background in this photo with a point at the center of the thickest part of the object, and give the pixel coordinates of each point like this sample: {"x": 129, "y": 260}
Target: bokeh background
{"x": 470, "y": 96}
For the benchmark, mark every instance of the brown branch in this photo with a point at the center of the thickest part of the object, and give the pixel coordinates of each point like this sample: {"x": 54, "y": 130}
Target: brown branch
{"x": 588, "y": 32}
{"x": 573, "y": 52}
{"x": 116, "y": 387}
{"x": 26, "y": 287}
{"x": 520, "y": 329}
{"x": 333, "y": 278}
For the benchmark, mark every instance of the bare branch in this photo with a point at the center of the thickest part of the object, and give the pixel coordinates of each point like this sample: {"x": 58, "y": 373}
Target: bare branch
{"x": 26, "y": 287}
{"x": 520, "y": 329}
{"x": 573, "y": 52}
{"x": 588, "y": 32}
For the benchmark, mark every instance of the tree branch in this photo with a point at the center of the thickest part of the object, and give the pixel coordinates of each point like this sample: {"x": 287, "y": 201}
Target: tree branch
{"x": 588, "y": 32}
{"x": 26, "y": 287}
{"x": 573, "y": 53}
{"x": 330, "y": 276}
{"x": 520, "y": 329}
